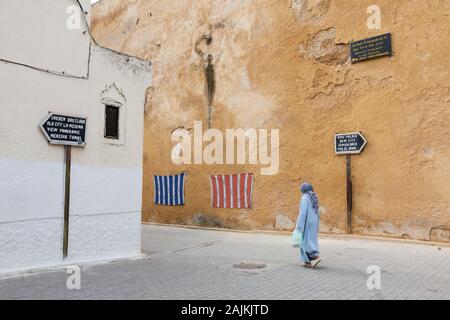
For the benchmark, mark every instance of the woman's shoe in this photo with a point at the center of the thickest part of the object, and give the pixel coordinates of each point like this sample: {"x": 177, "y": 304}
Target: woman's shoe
{"x": 315, "y": 262}
{"x": 307, "y": 265}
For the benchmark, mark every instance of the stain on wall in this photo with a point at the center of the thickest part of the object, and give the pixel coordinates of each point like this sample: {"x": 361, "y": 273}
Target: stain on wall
{"x": 285, "y": 65}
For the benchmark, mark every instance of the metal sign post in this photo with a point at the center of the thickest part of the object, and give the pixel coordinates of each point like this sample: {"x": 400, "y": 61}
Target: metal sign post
{"x": 68, "y": 160}
{"x": 348, "y": 144}
{"x": 67, "y": 131}
{"x": 349, "y": 195}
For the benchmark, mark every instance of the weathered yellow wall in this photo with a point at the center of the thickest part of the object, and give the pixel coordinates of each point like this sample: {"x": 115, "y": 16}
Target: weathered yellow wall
{"x": 283, "y": 64}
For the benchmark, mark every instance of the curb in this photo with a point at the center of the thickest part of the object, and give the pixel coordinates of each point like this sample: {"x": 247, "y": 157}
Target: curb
{"x": 323, "y": 234}
{"x": 63, "y": 266}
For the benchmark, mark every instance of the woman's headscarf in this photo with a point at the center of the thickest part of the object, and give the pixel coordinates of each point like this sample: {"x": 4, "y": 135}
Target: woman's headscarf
{"x": 308, "y": 190}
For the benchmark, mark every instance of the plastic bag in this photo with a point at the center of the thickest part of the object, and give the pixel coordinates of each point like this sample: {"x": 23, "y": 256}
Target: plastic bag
{"x": 297, "y": 238}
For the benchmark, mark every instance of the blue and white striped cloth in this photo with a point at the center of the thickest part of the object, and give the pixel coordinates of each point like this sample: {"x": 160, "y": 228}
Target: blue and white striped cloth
{"x": 169, "y": 190}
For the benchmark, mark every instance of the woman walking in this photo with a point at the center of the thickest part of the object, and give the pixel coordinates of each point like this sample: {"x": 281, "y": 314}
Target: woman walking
{"x": 308, "y": 224}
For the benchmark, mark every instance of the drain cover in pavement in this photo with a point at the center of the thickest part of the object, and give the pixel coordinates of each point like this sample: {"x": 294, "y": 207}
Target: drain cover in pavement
{"x": 249, "y": 266}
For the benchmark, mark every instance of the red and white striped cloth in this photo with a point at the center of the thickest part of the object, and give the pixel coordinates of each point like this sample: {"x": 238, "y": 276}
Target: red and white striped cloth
{"x": 232, "y": 191}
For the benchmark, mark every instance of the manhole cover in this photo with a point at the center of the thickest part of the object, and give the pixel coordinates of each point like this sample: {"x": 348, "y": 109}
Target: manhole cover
{"x": 249, "y": 266}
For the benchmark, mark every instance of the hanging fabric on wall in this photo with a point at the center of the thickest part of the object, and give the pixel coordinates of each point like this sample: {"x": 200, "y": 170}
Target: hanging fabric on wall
{"x": 232, "y": 191}
{"x": 169, "y": 190}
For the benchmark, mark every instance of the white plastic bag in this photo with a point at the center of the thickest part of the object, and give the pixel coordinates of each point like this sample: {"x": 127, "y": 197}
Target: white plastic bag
{"x": 297, "y": 238}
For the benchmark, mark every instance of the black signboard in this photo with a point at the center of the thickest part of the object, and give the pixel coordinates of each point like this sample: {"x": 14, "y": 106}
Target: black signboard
{"x": 371, "y": 48}
{"x": 65, "y": 130}
{"x": 349, "y": 143}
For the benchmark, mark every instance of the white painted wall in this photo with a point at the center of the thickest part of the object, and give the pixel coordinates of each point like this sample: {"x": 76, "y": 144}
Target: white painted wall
{"x": 28, "y": 34}
{"x": 106, "y": 175}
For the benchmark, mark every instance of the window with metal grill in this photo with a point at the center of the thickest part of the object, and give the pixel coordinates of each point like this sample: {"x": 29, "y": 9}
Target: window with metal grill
{"x": 111, "y": 122}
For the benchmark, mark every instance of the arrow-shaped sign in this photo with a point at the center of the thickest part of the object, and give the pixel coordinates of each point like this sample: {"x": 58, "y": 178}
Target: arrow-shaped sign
{"x": 65, "y": 130}
{"x": 349, "y": 143}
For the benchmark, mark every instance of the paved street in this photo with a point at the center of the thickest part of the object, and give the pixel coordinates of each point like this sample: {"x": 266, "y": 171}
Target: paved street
{"x": 200, "y": 264}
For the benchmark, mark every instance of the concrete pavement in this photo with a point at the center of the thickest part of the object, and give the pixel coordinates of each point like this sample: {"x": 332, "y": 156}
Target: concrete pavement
{"x": 195, "y": 264}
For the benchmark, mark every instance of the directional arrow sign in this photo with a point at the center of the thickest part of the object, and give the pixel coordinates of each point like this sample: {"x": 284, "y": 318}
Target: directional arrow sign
{"x": 65, "y": 130}
{"x": 349, "y": 143}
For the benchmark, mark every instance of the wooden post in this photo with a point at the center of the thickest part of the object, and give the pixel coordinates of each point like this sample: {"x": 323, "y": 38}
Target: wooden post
{"x": 68, "y": 162}
{"x": 349, "y": 195}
